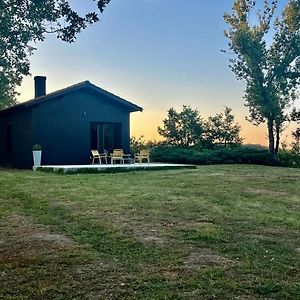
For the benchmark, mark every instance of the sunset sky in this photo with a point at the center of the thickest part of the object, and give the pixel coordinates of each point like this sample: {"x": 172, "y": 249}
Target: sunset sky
{"x": 155, "y": 53}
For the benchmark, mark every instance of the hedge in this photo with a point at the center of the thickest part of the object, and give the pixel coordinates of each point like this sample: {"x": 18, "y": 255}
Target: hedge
{"x": 239, "y": 155}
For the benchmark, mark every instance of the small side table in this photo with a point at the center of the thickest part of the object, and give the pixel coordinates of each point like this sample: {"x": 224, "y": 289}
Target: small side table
{"x": 128, "y": 159}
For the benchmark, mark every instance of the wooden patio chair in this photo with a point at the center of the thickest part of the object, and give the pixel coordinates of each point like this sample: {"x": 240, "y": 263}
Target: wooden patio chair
{"x": 99, "y": 156}
{"x": 144, "y": 154}
{"x": 117, "y": 155}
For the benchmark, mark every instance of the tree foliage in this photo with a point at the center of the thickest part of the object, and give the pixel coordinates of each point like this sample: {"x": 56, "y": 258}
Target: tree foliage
{"x": 295, "y": 115}
{"x": 221, "y": 129}
{"x": 271, "y": 71}
{"x": 183, "y": 128}
{"x": 187, "y": 128}
{"x": 24, "y": 22}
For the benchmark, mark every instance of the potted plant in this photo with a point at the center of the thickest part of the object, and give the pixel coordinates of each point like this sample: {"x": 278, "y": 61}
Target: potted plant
{"x": 37, "y": 155}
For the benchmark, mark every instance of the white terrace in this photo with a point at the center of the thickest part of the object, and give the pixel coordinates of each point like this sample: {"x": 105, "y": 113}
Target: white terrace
{"x": 112, "y": 168}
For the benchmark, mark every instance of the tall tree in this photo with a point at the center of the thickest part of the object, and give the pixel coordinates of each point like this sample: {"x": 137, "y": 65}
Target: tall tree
{"x": 183, "y": 128}
{"x": 24, "y": 22}
{"x": 271, "y": 71}
{"x": 221, "y": 129}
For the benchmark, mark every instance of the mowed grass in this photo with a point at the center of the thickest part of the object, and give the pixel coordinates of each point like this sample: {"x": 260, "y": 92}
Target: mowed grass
{"x": 217, "y": 232}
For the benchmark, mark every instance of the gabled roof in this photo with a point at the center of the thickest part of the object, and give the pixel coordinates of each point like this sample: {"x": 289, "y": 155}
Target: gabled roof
{"x": 85, "y": 84}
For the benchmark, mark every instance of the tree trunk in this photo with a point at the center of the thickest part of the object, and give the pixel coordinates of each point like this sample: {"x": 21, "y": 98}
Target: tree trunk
{"x": 277, "y": 139}
{"x": 271, "y": 138}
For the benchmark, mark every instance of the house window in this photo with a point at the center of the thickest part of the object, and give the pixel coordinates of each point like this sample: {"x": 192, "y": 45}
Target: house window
{"x": 105, "y": 136}
{"x": 8, "y": 138}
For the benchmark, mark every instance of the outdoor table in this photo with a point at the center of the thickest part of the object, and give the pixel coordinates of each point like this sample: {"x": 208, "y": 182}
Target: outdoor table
{"x": 128, "y": 158}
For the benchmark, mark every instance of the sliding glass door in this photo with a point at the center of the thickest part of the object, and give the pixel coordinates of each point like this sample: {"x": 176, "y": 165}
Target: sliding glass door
{"x": 105, "y": 136}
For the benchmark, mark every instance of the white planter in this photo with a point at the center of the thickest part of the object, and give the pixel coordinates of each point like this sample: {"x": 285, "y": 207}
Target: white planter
{"x": 37, "y": 156}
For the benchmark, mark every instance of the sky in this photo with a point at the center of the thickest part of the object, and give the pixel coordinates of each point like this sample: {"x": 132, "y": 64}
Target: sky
{"x": 157, "y": 54}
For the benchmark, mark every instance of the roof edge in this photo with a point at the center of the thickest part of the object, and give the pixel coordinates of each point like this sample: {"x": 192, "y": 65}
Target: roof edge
{"x": 69, "y": 89}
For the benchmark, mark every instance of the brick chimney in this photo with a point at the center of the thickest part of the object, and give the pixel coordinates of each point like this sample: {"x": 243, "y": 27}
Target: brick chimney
{"x": 39, "y": 86}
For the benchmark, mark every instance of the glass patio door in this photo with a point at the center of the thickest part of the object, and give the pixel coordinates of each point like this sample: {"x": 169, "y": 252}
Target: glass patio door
{"x": 105, "y": 136}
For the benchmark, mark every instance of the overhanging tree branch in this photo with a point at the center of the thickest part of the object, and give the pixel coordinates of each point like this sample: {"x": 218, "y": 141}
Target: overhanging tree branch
{"x": 24, "y": 22}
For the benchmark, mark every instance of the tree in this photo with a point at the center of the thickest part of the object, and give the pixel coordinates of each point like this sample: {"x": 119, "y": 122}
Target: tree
{"x": 271, "y": 71}
{"x": 24, "y": 22}
{"x": 222, "y": 130}
{"x": 183, "y": 128}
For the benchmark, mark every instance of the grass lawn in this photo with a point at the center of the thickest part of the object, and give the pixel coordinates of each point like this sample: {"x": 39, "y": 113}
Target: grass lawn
{"x": 216, "y": 232}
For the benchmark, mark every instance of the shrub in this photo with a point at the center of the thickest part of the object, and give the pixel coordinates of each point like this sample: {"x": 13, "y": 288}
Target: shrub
{"x": 289, "y": 159}
{"x": 36, "y": 147}
{"x": 240, "y": 155}
{"x": 137, "y": 144}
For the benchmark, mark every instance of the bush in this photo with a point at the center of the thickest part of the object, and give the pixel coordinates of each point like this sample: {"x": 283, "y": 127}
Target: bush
{"x": 137, "y": 144}
{"x": 36, "y": 147}
{"x": 289, "y": 159}
{"x": 239, "y": 155}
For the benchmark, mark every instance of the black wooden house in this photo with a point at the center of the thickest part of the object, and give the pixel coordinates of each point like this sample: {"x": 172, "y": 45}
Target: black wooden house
{"x": 67, "y": 124}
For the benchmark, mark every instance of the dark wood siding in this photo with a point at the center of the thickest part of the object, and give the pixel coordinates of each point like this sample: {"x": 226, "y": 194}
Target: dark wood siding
{"x": 15, "y": 149}
{"x": 62, "y": 125}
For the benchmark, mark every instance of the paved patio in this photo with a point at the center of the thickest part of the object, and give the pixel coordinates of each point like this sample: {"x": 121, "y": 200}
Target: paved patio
{"x": 111, "y": 168}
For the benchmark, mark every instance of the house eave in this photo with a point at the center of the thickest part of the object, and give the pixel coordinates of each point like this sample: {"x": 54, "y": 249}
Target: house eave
{"x": 85, "y": 84}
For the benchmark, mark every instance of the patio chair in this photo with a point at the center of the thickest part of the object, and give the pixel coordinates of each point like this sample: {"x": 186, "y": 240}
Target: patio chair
{"x": 144, "y": 154}
{"x": 99, "y": 156}
{"x": 117, "y": 155}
